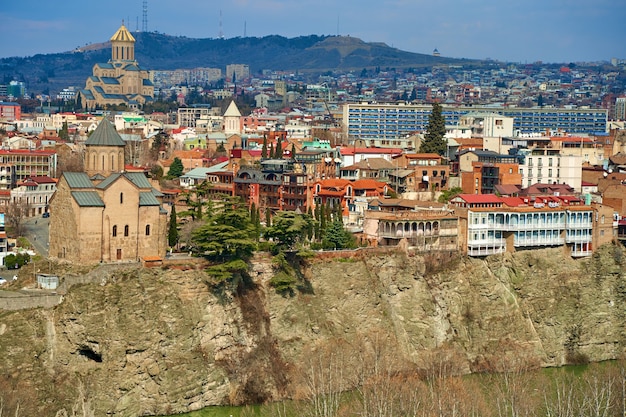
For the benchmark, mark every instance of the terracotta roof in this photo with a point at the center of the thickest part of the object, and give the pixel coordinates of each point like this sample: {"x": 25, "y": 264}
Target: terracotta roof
{"x": 513, "y": 201}
{"x": 353, "y": 151}
{"x": 480, "y": 198}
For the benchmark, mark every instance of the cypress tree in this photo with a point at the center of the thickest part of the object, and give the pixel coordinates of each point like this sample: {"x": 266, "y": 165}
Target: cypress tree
{"x": 279, "y": 149}
{"x": 434, "y": 141}
{"x": 268, "y": 217}
{"x": 264, "y": 148}
{"x": 172, "y": 233}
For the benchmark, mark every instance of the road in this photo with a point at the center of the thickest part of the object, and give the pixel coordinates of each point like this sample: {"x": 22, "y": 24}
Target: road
{"x": 36, "y": 231}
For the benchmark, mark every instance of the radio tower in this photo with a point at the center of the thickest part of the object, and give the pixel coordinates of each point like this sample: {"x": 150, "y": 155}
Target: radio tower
{"x": 144, "y": 23}
{"x": 221, "y": 34}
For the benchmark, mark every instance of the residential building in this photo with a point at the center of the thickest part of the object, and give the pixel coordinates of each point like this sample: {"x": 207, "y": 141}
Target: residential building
{"x": 34, "y": 193}
{"x": 237, "y": 72}
{"x": 275, "y": 186}
{"x": 10, "y": 112}
{"x": 18, "y": 164}
{"x": 550, "y": 166}
{"x": 392, "y": 121}
{"x": 4, "y": 241}
{"x": 352, "y": 196}
{"x": 486, "y": 176}
{"x": 423, "y": 226}
{"x": 491, "y": 224}
{"x": 372, "y": 168}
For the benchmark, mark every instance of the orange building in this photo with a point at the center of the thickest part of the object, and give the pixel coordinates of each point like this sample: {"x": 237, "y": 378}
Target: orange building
{"x": 484, "y": 176}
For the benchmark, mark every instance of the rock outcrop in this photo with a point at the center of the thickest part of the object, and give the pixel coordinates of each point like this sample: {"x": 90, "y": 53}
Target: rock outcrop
{"x": 153, "y": 342}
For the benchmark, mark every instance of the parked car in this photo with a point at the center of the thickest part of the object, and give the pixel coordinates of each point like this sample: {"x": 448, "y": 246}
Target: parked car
{"x": 45, "y": 215}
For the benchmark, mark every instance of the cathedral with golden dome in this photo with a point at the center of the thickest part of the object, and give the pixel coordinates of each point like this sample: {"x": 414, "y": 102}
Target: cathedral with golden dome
{"x": 119, "y": 81}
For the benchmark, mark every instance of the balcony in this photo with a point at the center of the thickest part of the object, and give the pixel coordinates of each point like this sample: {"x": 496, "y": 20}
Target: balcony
{"x": 540, "y": 241}
{"x": 485, "y": 251}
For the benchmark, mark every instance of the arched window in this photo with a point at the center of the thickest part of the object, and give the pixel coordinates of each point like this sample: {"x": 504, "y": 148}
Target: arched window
{"x": 114, "y": 230}
{"x": 126, "y": 230}
{"x": 121, "y": 198}
{"x": 147, "y": 230}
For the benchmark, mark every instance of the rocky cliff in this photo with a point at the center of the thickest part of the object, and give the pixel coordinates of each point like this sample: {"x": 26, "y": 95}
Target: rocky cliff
{"x": 153, "y": 341}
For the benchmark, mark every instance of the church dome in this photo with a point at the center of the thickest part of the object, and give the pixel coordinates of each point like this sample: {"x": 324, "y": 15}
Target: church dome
{"x": 122, "y": 35}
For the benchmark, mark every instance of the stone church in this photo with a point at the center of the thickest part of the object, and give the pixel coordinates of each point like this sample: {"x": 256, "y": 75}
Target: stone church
{"x": 119, "y": 81}
{"x": 105, "y": 214}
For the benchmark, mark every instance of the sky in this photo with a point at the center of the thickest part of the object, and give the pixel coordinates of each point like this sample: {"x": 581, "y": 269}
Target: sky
{"x": 519, "y": 31}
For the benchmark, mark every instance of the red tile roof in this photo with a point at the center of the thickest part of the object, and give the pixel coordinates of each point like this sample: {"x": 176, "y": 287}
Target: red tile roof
{"x": 480, "y": 198}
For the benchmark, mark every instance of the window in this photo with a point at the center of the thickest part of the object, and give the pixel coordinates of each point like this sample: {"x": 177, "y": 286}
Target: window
{"x": 114, "y": 230}
{"x": 147, "y": 230}
{"x": 126, "y": 230}
{"x": 510, "y": 170}
{"x": 121, "y": 198}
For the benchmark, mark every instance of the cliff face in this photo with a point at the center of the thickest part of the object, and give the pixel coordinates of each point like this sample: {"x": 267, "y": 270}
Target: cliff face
{"x": 150, "y": 342}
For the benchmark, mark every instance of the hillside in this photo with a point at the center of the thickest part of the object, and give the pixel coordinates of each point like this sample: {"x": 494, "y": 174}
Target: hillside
{"x": 154, "y": 51}
{"x": 153, "y": 342}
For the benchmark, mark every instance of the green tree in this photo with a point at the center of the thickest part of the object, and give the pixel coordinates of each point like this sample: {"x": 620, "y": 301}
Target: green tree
{"x": 336, "y": 237}
{"x": 176, "y": 169}
{"x": 289, "y": 228}
{"x": 197, "y": 199}
{"x": 64, "y": 132}
{"x": 227, "y": 239}
{"x": 172, "y": 232}
{"x": 271, "y": 151}
{"x": 293, "y": 151}
{"x": 278, "y": 153}
{"x": 447, "y": 195}
{"x": 434, "y": 140}
{"x": 264, "y": 148}
{"x": 268, "y": 217}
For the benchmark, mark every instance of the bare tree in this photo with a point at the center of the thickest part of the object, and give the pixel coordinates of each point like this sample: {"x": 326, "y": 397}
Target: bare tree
{"x": 324, "y": 378}
{"x": 15, "y": 215}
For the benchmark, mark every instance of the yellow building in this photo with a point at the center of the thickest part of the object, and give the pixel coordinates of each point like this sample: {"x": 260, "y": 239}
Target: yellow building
{"x": 119, "y": 81}
{"x": 109, "y": 215}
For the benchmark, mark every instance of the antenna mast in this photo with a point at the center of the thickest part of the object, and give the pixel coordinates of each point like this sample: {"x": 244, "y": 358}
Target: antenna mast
{"x": 144, "y": 23}
{"x": 221, "y": 34}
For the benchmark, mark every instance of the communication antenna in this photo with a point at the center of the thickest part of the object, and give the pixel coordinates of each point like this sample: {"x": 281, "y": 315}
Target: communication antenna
{"x": 244, "y": 29}
{"x": 221, "y": 34}
{"x": 144, "y": 22}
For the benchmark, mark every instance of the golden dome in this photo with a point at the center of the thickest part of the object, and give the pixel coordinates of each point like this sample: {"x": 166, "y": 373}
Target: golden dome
{"x": 122, "y": 35}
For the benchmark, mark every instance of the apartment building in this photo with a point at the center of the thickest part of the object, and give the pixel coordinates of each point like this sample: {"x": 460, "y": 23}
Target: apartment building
{"x": 9, "y": 111}
{"x": 490, "y": 224}
{"x": 393, "y": 121}
{"x": 34, "y": 193}
{"x": 276, "y": 186}
{"x": 551, "y": 167}
{"x": 485, "y": 176}
{"x": 18, "y": 164}
{"x": 424, "y": 226}
{"x": 237, "y": 71}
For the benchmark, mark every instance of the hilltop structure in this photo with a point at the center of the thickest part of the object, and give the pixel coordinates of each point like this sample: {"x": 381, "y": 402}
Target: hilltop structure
{"x": 106, "y": 214}
{"x": 119, "y": 81}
